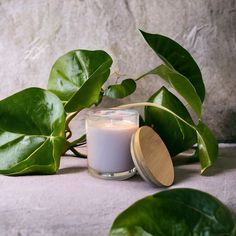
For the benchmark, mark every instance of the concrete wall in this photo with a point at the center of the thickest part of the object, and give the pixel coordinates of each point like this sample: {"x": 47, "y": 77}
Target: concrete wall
{"x": 34, "y": 33}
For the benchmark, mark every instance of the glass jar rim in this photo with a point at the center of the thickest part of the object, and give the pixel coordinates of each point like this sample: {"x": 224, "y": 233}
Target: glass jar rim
{"x": 110, "y": 113}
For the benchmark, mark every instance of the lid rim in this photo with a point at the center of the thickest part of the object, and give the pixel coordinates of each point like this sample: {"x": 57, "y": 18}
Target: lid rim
{"x": 139, "y": 167}
{"x": 145, "y": 165}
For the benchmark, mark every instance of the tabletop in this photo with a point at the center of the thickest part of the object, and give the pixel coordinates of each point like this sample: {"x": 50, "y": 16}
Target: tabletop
{"x": 72, "y": 202}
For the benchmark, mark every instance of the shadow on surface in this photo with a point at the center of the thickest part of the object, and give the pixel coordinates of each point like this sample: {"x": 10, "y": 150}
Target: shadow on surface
{"x": 136, "y": 178}
{"x": 185, "y": 172}
{"x": 223, "y": 164}
{"x": 71, "y": 170}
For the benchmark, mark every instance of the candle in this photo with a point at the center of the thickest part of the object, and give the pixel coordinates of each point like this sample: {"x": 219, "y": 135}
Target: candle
{"x": 109, "y": 135}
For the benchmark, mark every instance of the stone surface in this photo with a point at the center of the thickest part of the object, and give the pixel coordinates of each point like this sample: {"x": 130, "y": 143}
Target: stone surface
{"x": 35, "y": 33}
{"x": 73, "y": 203}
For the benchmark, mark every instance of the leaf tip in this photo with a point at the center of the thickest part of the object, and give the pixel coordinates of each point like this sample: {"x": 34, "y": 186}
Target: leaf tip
{"x": 142, "y": 32}
{"x": 203, "y": 170}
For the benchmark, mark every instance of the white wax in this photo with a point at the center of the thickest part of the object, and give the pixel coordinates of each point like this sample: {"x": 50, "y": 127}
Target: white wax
{"x": 109, "y": 146}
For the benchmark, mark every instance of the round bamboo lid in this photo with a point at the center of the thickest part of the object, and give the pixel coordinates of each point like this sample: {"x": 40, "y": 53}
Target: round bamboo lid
{"x": 151, "y": 157}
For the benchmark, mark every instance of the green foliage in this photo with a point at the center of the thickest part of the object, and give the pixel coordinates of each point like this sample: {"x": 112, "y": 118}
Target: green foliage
{"x": 32, "y": 133}
{"x": 181, "y": 85}
{"x": 182, "y": 212}
{"x": 177, "y": 136}
{"x": 127, "y": 87}
{"x": 207, "y": 150}
{"x": 33, "y": 125}
{"x": 176, "y": 58}
{"x": 207, "y": 146}
{"x": 77, "y": 78}
{"x": 183, "y": 74}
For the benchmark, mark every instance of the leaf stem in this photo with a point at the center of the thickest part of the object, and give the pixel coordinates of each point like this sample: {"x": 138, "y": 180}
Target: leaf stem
{"x": 140, "y": 77}
{"x": 81, "y": 140}
{"x": 201, "y": 142}
{"x": 68, "y": 120}
{"x": 77, "y": 154}
{"x": 157, "y": 106}
{"x": 163, "y": 108}
{"x": 70, "y": 117}
{"x": 147, "y": 73}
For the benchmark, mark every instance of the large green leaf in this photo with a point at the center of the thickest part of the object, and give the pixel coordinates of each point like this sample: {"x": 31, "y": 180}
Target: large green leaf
{"x": 177, "y": 136}
{"x": 127, "y": 87}
{"x": 77, "y": 78}
{"x": 177, "y": 58}
{"x": 207, "y": 146}
{"x": 182, "y": 212}
{"x": 181, "y": 85}
{"x": 32, "y": 133}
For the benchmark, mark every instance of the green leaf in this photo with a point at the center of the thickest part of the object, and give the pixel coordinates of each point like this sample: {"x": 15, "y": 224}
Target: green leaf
{"x": 177, "y": 136}
{"x": 141, "y": 121}
{"x": 77, "y": 78}
{"x": 127, "y": 87}
{"x": 177, "y": 58}
{"x": 181, "y": 85}
{"x": 207, "y": 146}
{"x": 78, "y": 142}
{"x": 32, "y": 133}
{"x": 182, "y": 212}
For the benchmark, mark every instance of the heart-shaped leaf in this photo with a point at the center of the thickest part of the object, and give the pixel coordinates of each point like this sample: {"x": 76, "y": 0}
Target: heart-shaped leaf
{"x": 177, "y": 136}
{"x": 32, "y": 133}
{"x": 177, "y": 58}
{"x": 207, "y": 145}
{"x": 127, "y": 87}
{"x": 77, "y": 78}
{"x": 175, "y": 212}
{"x": 181, "y": 84}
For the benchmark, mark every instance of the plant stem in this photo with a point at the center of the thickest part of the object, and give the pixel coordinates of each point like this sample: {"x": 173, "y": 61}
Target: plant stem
{"x": 70, "y": 117}
{"x": 78, "y": 142}
{"x": 147, "y": 73}
{"x": 150, "y": 104}
{"x": 191, "y": 160}
{"x": 140, "y": 77}
{"x": 68, "y": 133}
{"x": 68, "y": 120}
{"x": 77, "y": 154}
{"x": 81, "y": 140}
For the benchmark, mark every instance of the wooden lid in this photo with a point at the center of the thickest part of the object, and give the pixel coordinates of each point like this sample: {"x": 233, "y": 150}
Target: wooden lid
{"x": 151, "y": 157}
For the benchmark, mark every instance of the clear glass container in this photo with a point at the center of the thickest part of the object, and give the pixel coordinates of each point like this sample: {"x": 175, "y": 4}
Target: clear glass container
{"x": 109, "y": 133}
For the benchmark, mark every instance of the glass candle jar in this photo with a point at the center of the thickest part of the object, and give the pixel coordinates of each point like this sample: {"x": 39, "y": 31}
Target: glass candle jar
{"x": 109, "y": 133}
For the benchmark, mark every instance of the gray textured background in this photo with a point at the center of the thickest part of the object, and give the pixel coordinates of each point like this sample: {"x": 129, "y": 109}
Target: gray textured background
{"x": 34, "y": 33}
